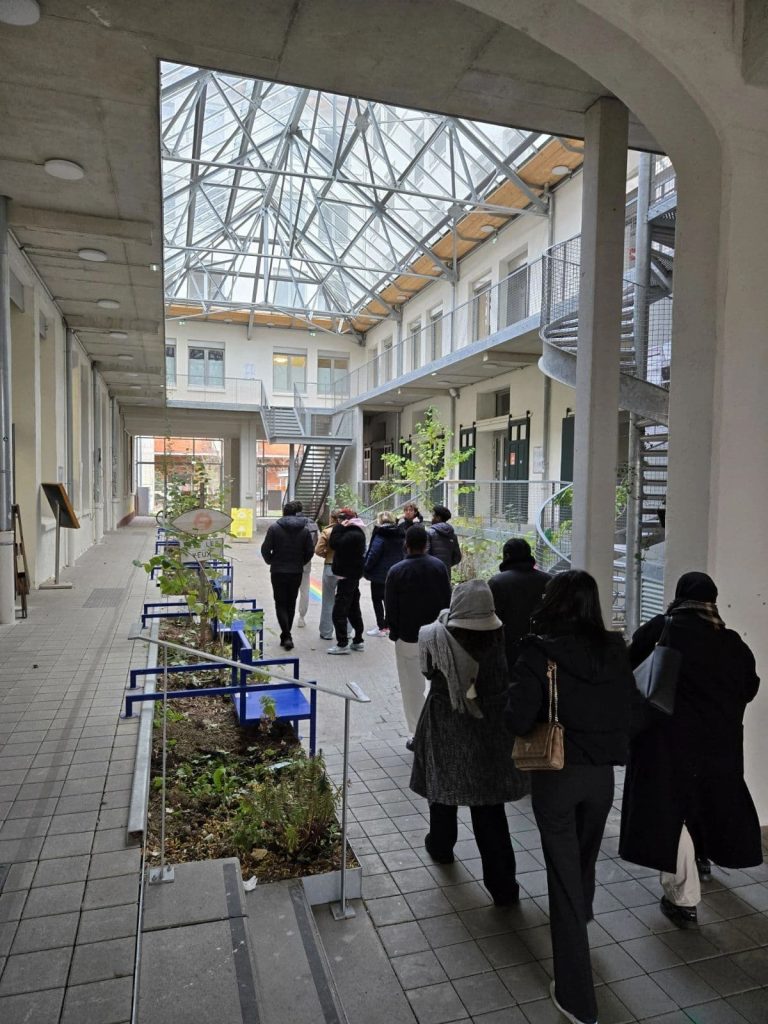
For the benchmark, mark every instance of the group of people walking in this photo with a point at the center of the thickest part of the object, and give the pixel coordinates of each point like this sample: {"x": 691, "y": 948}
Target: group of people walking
{"x": 478, "y": 665}
{"x": 490, "y": 659}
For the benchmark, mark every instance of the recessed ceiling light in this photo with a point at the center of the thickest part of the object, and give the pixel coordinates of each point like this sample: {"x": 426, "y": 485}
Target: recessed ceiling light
{"x": 19, "y": 12}
{"x": 108, "y": 303}
{"x": 402, "y": 298}
{"x": 487, "y": 229}
{"x": 560, "y": 169}
{"x": 118, "y": 335}
{"x": 125, "y": 358}
{"x": 434, "y": 373}
{"x": 132, "y": 386}
{"x": 92, "y": 255}
{"x": 66, "y": 170}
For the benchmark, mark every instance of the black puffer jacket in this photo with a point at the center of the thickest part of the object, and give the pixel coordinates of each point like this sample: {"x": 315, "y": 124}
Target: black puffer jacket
{"x": 597, "y": 695}
{"x": 384, "y": 551}
{"x": 288, "y": 545}
{"x": 348, "y": 544}
{"x": 517, "y": 590}
{"x": 444, "y": 544}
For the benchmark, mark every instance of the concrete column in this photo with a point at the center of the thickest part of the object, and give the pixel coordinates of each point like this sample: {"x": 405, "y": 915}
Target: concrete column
{"x": 26, "y": 421}
{"x": 7, "y": 567}
{"x": 597, "y": 369}
{"x": 291, "y": 471}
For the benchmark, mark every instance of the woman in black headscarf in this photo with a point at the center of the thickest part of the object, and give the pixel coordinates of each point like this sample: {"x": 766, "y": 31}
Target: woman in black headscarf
{"x": 685, "y": 795}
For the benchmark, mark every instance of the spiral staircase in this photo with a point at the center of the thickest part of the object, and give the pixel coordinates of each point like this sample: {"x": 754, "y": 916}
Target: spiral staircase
{"x": 645, "y": 338}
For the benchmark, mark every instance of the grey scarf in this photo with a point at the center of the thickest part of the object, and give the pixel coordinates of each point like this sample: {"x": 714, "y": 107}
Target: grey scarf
{"x": 439, "y": 649}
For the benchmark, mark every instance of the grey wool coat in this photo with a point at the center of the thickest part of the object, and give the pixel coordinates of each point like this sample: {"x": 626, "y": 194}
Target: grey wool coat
{"x": 464, "y": 761}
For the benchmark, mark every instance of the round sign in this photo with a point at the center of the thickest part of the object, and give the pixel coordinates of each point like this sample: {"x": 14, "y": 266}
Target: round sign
{"x": 201, "y": 521}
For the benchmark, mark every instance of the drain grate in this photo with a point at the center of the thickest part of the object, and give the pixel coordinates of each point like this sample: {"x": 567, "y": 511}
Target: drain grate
{"x": 104, "y": 597}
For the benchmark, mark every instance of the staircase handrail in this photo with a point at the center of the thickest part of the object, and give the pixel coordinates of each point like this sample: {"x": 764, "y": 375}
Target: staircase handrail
{"x": 301, "y": 410}
{"x": 266, "y": 413}
{"x": 405, "y": 489}
{"x": 552, "y": 500}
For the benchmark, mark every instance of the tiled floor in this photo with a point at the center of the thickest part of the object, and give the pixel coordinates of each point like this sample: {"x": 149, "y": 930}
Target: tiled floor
{"x": 68, "y": 899}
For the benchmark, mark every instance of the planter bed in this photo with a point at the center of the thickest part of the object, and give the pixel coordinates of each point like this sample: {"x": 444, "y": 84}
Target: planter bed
{"x": 245, "y": 791}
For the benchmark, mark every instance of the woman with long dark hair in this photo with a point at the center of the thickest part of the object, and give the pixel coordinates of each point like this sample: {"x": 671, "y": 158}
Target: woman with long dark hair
{"x": 596, "y": 691}
{"x": 685, "y": 794}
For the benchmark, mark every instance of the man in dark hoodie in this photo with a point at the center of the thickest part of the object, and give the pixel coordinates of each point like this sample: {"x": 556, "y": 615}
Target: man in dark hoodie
{"x": 443, "y": 542}
{"x": 347, "y": 541}
{"x": 517, "y": 590}
{"x": 286, "y": 549}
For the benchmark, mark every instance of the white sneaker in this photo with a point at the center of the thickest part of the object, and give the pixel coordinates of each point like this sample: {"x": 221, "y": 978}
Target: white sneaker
{"x": 568, "y": 1016}
{"x": 338, "y": 650}
{"x": 301, "y": 623}
{"x": 376, "y": 632}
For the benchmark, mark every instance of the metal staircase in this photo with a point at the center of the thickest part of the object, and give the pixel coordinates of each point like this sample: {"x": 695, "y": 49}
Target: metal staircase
{"x": 314, "y": 476}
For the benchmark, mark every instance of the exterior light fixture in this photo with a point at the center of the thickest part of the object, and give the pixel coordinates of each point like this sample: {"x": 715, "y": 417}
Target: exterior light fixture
{"x": 19, "y": 12}
{"x": 66, "y": 170}
{"x": 118, "y": 335}
{"x": 434, "y": 373}
{"x": 402, "y": 298}
{"x": 125, "y": 358}
{"x": 154, "y": 267}
{"x": 182, "y": 323}
{"x": 560, "y": 169}
{"x": 108, "y": 303}
{"x": 92, "y": 255}
{"x": 487, "y": 229}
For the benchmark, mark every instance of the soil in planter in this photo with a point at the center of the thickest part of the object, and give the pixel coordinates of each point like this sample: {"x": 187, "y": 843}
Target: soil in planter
{"x": 249, "y": 792}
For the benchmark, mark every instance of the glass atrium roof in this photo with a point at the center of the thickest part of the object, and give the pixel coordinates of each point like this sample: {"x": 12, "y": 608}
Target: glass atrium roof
{"x": 283, "y": 199}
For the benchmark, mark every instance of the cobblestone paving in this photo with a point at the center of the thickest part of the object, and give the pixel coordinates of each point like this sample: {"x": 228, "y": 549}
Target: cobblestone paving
{"x": 69, "y": 885}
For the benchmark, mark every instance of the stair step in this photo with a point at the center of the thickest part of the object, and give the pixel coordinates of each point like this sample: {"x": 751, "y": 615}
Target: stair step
{"x": 293, "y": 975}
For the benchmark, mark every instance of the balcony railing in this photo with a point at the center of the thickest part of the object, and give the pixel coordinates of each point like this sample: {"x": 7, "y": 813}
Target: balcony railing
{"x": 230, "y": 391}
{"x": 510, "y": 301}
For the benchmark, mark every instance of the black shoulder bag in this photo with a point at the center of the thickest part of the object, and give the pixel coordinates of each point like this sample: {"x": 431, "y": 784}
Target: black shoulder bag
{"x": 656, "y": 677}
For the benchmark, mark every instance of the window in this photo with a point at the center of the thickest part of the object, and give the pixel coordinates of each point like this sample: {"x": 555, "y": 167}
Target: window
{"x": 170, "y": 364}
{"x": 501, "y": 403}
{"x": 516, "y": 290}
{"x": 414, "y": 335}
{"x": 386, "y": 361}
{"x": 332, "y": 376}
{"x": 289, "y": 368}
{"x": 481, "y": 310}
{"x": 206, "y": 367}
{"x": 436, "y": 333}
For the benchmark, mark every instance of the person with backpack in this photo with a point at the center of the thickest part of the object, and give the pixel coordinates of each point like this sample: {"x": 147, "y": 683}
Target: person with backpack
{"x": 517, "y": 590}
{"x": 443, "y": 542}
{"x": 286, "y": 549}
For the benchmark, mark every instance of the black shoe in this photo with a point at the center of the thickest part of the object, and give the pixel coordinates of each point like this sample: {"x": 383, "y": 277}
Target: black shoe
{"x": 409, "y": 744}
{"x": 446, "y": 858}
{"x": 704, "y": 867}
{"x": 288, "y": 644}
{"x": 683, "y": 917}
{"x": 508, "y": 898}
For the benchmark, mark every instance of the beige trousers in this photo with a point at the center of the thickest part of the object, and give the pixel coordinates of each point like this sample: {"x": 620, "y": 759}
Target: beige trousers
{"x": 412, "y": 683}
{"x": 683, "y": 888}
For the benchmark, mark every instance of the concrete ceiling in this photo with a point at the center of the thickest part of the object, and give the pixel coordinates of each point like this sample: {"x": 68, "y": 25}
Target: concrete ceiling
{"x": 82, "y": 84}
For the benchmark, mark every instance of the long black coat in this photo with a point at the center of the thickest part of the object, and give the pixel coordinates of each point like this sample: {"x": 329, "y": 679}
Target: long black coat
{"x": 689, "y": 767}
{"x": 516, "y": 592}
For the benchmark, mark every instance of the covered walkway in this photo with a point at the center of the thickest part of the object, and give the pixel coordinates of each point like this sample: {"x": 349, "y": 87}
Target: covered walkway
{"x": 69, "y": 883}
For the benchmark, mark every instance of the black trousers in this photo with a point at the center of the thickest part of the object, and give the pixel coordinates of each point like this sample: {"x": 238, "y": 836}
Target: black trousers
{"x": 491, "y": 829}
{"x": 377, "y": 598}
{"x": 285, "y": 589}
{"x": 347, "y": 607}
{"x": 571, "y": 807}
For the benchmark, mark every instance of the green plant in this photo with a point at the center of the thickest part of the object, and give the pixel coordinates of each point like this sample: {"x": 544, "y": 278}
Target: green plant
{"x": 345, "y": 496}
{"x": 425, "y": 462}
{"x": 292, "y": 813}
{"x": 385, "y": 488}
{"x": 480, "y": 554}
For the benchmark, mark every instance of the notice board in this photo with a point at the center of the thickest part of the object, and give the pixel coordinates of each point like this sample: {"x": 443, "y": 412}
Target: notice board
{"x": 59, "y": 501}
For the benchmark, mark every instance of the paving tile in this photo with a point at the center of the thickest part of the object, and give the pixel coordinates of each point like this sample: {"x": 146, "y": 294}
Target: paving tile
{"x": 753, "y": 962}
{"x": 526, "y": 982}
{"x": 68, "y": 824}
{"x": 481, "y": 993}
{"x": 462, "y": 959}
{"x": 429, "y": 903}
{"x": 436, "y": 1004}
{"x": 36, "y": 933}
{"x": 24, "y": 828}
{"x": 20, "y": 849}
{"x": 32, "y": 972}
{"x": 467, "y": 896}
{"x": 111, "y": 840}
{"x": 727, "y": 936}
{"x": 32, "y": 1007}
{"x": 415, "y": 970}
{"x": 102, "y": 1002}
{"x": 100, "y": 961}
{"x": 389, "y": 910}
{"x": 443, "y": 931}
{"x": 61, "y": 869}
{"x": 11, "y": 905}
{"x": 505, "y": 950}
{"x": 120, "y": 862}
{"x": 107, "y": 923}
{"x": 651, "y": 953}
{"x": 400, "y": 939}
{"x": 54, "y": 899}
{"x": 685, "y": 986}
{"x": 642, "y": 996}
{"x": 111, "y": 892}
{"x": 413, "y": 879}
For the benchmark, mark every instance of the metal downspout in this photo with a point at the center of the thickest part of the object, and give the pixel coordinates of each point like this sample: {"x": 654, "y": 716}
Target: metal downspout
{"x": 7, "y": 567}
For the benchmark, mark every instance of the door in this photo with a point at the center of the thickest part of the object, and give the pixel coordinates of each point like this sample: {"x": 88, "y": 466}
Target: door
{"x": 467, "y": 439}
{"x": 566, "y": 449}
{"x": 516, "y": 470}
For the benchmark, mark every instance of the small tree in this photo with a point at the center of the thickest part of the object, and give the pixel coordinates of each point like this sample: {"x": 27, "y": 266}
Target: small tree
{"x": 424, "y": 462}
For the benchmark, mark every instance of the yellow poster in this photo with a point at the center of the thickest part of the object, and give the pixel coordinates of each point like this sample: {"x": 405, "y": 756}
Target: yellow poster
{"x": 242, "y": 523}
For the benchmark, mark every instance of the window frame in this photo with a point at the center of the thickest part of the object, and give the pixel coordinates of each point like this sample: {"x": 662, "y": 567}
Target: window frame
{"x": 206, "y": 384}
{"x": 290, "y": 355}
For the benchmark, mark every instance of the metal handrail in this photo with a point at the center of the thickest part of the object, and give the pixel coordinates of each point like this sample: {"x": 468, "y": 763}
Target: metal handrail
{"x": 356, "y": 695}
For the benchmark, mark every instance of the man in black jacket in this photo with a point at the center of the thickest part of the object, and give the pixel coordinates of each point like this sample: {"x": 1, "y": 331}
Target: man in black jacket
{"x": 443, "y": 542}
{"x": 347, "y": 541}
{"x": 517, "y": 590}
{"x": 286, "y": 549}
{"x": 416, "y": 591}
